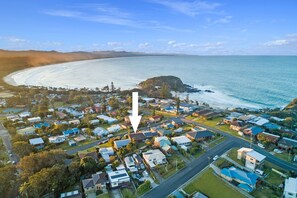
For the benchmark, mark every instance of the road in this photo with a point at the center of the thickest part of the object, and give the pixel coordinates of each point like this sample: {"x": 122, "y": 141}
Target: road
{"x": 174, "y": 182}
{"x": 7, "y": 143}
{"x": 170, "y": 185}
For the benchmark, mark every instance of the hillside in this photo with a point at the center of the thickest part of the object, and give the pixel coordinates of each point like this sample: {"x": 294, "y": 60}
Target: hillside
{"x": 11, "y": 61}
{"x": 292, "y": 106}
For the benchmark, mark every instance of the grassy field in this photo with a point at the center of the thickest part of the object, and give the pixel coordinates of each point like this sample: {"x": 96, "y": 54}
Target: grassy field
{"x": 105, "y": 195}
{"x": 216, "y": 142}
{"x": 211, "y": 186}
{"x": 263, "y": 192}
{"x": 233, "y": 155}
{"x": 285, "y": 156}
{"x": 170, "y": 168}
{"x": 274, "y": 178}
{"x": 127, "y": 193}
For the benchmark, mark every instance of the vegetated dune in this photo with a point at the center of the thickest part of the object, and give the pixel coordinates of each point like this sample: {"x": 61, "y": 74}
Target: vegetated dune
{"x": 11, "y": 61}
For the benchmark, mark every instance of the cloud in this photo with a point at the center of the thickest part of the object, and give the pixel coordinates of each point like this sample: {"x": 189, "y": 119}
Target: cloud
{"x": 225, "y": 19}
{"x": 144, "y": 45}
{"x": 192, "y": 8}
{"x": 289, "y": 39}
{"x": 13, "y": 39}
{"x": 171, "y": 42}
{"x": 195, "y": 46}
{"x": 105, "y": 14}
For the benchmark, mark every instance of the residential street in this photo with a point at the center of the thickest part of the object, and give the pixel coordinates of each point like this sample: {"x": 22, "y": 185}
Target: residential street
{"x": 7, "y": 142}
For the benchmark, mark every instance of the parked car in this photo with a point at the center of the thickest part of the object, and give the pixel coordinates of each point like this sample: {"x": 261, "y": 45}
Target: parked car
{"x": 261, "y": 146}
{"x": 215, "y": 158}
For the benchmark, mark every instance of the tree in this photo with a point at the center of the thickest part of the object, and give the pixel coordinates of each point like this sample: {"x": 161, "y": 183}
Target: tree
{"x": 7, "y": 180}
{"x": 88, "y": 165}
{"x": 164, "y": 92}
{"x": 22, "y": 148}
{"x": 112, "y": 87}
{"x": 114, "y": 103}
{"x": 177, "y": 105}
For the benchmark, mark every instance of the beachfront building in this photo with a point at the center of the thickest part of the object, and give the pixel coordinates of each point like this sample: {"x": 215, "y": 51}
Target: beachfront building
{"x": 290, "y": 190}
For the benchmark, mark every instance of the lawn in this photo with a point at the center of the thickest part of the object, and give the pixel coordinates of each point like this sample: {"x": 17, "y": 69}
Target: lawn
{"x": 274, "y": 178}
{"x": 211, "y": 186}
{"x": 127, "y": 193}
{"x": 233, "y": 155}
{"x": 175, "y": 163}
{"x": 284, "y": 156}
{"x": 216, "y": 142}
{"x": 264, "y": 192}
{"x": 105, "y": 195}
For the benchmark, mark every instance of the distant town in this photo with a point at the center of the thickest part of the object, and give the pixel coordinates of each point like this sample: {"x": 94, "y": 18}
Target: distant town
{"x": 79, "y": 143}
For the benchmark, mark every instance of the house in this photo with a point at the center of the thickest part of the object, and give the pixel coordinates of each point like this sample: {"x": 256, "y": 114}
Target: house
{"x": 74, "y": 122}
{"x": 201, "y": 112}
{"x": 186, "y": 107}
{"x": 26, "y": 131}
{"x": 237, "y": 125}
{"x": 34, "y": 119}
{"x": 37, "y": 142}
{"x": 179, "y": 130}
{"x": 163, "y": 132}
{"x": 121, "y": 143}
{"x": 61, "y": 115}
{"x": 57, "y": 139}
{"x": 108, "y": 119}
{"x": 93, "y": 155}
{"x": 40, "y": 125}
{"x": 181, "y": 140}
{"x": 94, "y": 122}
{"x": 119, "y": 178}
{"x": 156, "y": 118}
{"x": 108, "y": 151}
{"x": 137, "y": 137}
{"x": 149, "y": 134}
{"x": 246, "y": 118}
{"x": 177, "y": 122}
{"x": 71, "y": 143}
{"x": 80, "y": 138}
{"x": 95, "y": 183}
{"x": 25, "y": 114}
{"x": 70, "y": 132}
{"x": 290, "y": 190}
{"x": 138, "y": 161}
{"x": 99, "y": 131}
{"x": 247, "y": 181}
{"x": 253, "y": 159}
{"x": 154, "y": 157}
{"x": 161, "y": 141}
{"x": 254, "y": 130}
{"x": 287, "y": 143}
{"x": 271, "y": 126}
{"x": 259, "y": 121}
{"x": 71, "y": 194}
{"x": 200, "y": 135}
{"x": 114, "y": 128}
{"x": 268, "y": 137}
{"x": 130, "y": 164}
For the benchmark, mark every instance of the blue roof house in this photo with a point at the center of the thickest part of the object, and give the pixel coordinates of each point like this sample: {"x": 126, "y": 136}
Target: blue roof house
{"x": 40, "y": 125}
{"x": 254, "y": 130}
{"x": 71, "y": 132}
{"x": 246, "y": 180}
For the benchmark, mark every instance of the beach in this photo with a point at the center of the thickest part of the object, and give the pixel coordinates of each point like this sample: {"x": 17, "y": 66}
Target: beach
{"x": 236, "y": 81}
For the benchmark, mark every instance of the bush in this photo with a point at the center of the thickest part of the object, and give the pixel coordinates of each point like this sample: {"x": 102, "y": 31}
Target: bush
{"x": 143, "y": 188}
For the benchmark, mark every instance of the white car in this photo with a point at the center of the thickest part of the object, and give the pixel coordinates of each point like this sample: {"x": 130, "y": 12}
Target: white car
{"x": 261, "y": 146}
{"x": 215, "y": 158}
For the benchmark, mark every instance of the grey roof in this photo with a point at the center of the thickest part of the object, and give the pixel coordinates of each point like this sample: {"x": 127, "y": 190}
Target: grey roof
{"x": 121, "y": 143}
{"x": 200, "y": 134}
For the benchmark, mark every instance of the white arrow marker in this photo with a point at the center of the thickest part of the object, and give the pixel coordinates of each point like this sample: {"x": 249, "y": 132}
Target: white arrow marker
{"x": 135, "y": 118}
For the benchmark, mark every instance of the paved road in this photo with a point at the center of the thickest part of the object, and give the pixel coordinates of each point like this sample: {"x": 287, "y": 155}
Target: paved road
{"x": 170, "y": 185}
{"x": 7, "y": 143}
{"x": 243, "y": 143}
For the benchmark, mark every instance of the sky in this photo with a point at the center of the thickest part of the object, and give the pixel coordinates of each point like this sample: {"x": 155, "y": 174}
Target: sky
{"x": 210, "y": 27}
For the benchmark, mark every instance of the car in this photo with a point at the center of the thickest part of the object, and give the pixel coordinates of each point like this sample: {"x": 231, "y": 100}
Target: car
{"x": 13, "y": 162}
{"x": 215, "y": 158}
{"x": 10, "y": 155}
{"x": 261, "y": 146}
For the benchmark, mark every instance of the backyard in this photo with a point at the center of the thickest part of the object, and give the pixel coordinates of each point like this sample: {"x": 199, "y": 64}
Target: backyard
{"x": 175, "y": 163}
{"x": 211, "y": 186}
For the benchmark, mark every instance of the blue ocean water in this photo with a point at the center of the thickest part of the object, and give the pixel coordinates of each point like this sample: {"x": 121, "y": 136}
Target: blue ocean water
{"x": 247, "y": 81}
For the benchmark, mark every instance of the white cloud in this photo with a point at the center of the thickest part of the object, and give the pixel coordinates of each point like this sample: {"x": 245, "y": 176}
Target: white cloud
{"x": 171, "y": 42}
{"x": 225, "y": 19}
{"x": 188, "y": 8}
{"x": 289, "y": 39}
{"x": 13, "y": 39}
{"x": 144, "y": 45}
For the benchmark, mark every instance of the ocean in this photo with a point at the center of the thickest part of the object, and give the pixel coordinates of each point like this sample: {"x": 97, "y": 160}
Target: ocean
{"x": 238, "y": 81}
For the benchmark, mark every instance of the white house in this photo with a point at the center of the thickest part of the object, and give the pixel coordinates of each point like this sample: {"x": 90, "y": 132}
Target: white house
{"x": 290, "y": 190}
{"x": 57, "y": 139}
{"x": 34, "y": 119}
{"x": 181, "y": 140}
{"x": 108, "y": 150}
{"x": 99, "y": 131}
{"x": 114, "y": 128}
{"x": 154, "y": 157}
{"x": 94, "y": 122}
{"x": 25, "y": 114}
{"x": 37, "y": 142}
{"x": 130, "y": 164}
{"x": 108, "y": 119}
{"x": 74, "y": 121}
{"x": 252, "y": 158}
{"x": 118, "y": 178}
